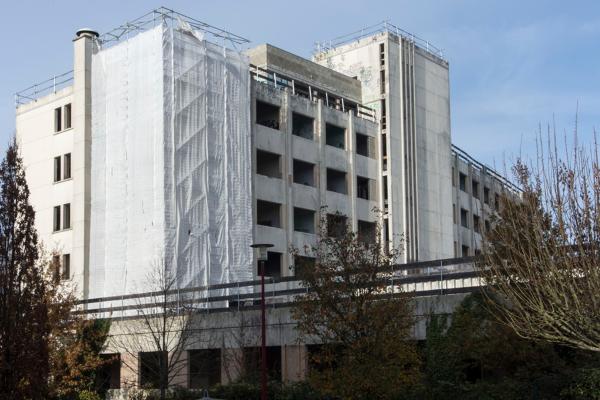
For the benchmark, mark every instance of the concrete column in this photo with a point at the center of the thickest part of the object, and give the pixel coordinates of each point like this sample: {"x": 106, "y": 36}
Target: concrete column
{"x": 179, "y": 377}
{"x": 84, "y": 46}
{"x": 231, "y": 368}
{"x": 288, "y": 179}
{"x": 351, "y": 157}
{"x": 294, "y": 362}
{"x": 322, "y": 165}
{"x": 129, "y": 371}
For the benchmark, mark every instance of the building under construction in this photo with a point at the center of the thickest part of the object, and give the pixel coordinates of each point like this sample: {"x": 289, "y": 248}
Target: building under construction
{"x": 177, "y": 144}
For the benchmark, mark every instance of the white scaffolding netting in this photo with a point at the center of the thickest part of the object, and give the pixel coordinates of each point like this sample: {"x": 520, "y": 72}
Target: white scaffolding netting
{"x": 171, "y": 163}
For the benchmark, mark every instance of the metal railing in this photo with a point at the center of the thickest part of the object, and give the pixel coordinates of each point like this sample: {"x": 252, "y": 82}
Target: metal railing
{"x": 302, "y": 89}
{"x": 38, "y": 90}
{"x": 436, "y": 277}
{"x": 382, "y": 27}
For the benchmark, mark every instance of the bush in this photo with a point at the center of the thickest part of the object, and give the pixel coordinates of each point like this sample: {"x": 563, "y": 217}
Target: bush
{"x": 585, "y": 385}
{"x": 87, "y": 395}
{"x": 277, "y": 391}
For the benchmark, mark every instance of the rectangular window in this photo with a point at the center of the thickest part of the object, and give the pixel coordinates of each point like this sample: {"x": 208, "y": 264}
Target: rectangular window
{"x": 273, "y": 264}
{"x": 66, "y": 216}
{"x": 337, "y": 225}
{"x": 486, "y": 195}
{"x": 268, "y": 213}
{"x": 464, "y": 218}
{"x": 475, "y": 188}
{"x": 363, "y": 188}
{"x": 462, "y": 182}
{"x": 57, "y": 169}
{"x": 367, "y": 231}
{"x": 66, "y": 266}
{"x": 67, "y": 166}
{"x": 465, "y": 251}
{"x": 152, "y": 366}
{"x": 454, "y": 213}
{"x": 335, "y": 136}
{"x": 336, "y": 181}
{"x": 204, "y": 368}
{"x": 304, "y": 173}
{"x": 382, "y": 81}
{"x": 56, "y": 266}
{"x": 476, "y": 223}
{"x": 304, "y": 220}
{"x": 57, "y": 119}
{"x": 267, "y": 115}
{"x": 304, "y": 263}
{"x": 268, "y": 164}
{"x": 303, "y": 126}
{"x": 56, "y": 221}
{"x": 67, "y": 112}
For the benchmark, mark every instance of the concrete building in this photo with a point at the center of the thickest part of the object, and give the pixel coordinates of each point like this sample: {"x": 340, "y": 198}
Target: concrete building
{"x": 365, "y": 125}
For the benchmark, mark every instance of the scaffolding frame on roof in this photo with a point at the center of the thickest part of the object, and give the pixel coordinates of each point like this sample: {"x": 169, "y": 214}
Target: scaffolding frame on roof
{"x": 381, "y": 27}
{"x": 169, "y": 16}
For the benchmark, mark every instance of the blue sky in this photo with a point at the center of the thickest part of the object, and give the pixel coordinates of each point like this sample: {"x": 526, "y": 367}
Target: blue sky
{"x": 513, "y": 64}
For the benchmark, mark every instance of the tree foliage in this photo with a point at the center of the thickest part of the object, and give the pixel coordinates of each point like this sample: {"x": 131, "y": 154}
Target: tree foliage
{"x": 541, "y": 257}
{"x": 350, "y": 307}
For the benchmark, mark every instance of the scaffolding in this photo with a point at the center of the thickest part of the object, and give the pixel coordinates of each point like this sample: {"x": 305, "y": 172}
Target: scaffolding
{"x": 379, "y": 28}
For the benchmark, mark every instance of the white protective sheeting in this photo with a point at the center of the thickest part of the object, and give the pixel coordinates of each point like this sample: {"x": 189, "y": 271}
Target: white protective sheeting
{"x": 171, "y": 163}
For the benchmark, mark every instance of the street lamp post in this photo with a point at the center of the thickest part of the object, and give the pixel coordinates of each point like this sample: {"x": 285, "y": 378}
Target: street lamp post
{"x": 262, "y": 256}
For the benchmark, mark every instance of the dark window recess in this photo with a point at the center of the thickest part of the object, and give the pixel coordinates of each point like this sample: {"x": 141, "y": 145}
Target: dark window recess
{"x": 465, "y": 251}
{"x": 304, "y": 220}
{"x": 109, "y": 375}
{"x": 464, "y": 217}
{"x": 67, "y": 111}
{"x": 337, "y": 225}
{"x": 204, "y": 368}
{"x": 267, "y": 115}
{"x": 66, "y": 216}
{"x": 384, "y": 145}
{"x": 67, "y": 166}
{"x": 363, "y": 188}
{"x": 303, "y": 126}
{"x": 272, "y": 265}
{"x": 336, "y": 181}
{"x": 304, "y": 173}
{"x": 251, "y": 356}
{"x": 455, "y": 249}
{"x": 365, "y": 145}
{"x": 268, "y": 164}
{"x": 382, "y": 54}
{"x": 66, "y": 266}
{"x": 476, "y": 223}
{"x": 152, "y": 368}
{"x": 385, "y": 187}
{"x": 335, "y": 136}
{"x": 57, "y": 169}
{"x": 488, "y": 227}
{"x": 268, "y": 214}
{"x": 303, "y": 263}
{"x": 497, "y": 201}
{"x": 57, "y": 119}
{"x": 454, "y": 213}
{"x": 383, "y": 115}
{"x": 486, "y": 195}
{"x": 382, "y": 81}
{"x": 56, "y": 219}
{"x": 462, "y": 182}
{"x": 475, "y": 188}
{"x": 56, "y": 267}
{"x": 367, "y": 231}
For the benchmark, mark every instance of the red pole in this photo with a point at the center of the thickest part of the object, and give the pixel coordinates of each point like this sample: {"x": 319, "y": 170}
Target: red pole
{"x": 263, "y": 345}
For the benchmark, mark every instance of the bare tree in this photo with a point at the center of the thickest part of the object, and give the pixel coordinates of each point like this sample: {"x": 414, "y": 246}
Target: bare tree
{"x": 541, "y": 259}
{"x": 241, "y": 364}
{"x": 155, "y": 339}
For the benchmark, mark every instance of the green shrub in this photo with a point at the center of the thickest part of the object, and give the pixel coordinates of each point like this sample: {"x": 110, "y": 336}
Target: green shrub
{"x": 87, "y": 395}
{"x": 585, "y": 385}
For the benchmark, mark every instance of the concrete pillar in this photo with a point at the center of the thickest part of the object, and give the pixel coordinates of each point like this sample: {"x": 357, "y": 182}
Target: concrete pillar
{"x": 84, "y": 45}
{"x": 351, "y": 157}
{"x": 179, "y": 375}
{"x": 129, "y": 371}
{"x": 231, "y": 364}
{"x": 294, "y": 363}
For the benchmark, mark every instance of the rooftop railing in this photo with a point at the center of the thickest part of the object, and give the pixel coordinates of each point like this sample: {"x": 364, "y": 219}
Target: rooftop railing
{"x": 382, "y": 27}
{"x": 302, "y": 89}
{"x": 38, "y": 90}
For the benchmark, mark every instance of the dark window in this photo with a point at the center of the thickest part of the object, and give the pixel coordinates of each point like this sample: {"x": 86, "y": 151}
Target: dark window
{"x": 67, "y": 116}
{"x": 464, "y": 217}
{"x": 303, "y": 263}
{"x": 268, "y": 164}
{"x": 56, "y": 220}
{"x": 363, "y": 189}
{"x": 66, "y": 266}
{"x": 497, "y": 201}
{"x": 367, "y": 231}
{"x": 57, "y": 119}
{"x": 382, "y": 81}
{"x": 267, "y": 115}
{"x": 273, "y": 264}
{"x": 487, "y": 226}
{"x": 476, "y": 223}
{"x": 462, "y": 182}
{"x": 337, "y": 225}
{"x": 304, "y": 220}
{"x": 336, "y": 181}
{"x": 67, "y": 166}
{"x": 454, "y": 213}
{"x": 303, "y": 126}
{"x": 268, "y": 214}
{"x": 152, "y": 366}
{"x": 66, "y": 216}
{"x": 465, "y": 251}
{"x": 57, "y": 168}
{"x": 109, "y": 375}
{"x": 365, "y": 145}
{"x": 252, "y": 362}
{"x": 486, "y": 195}
{"x": 453, "y": 177}
{"x": 204, "y": 368}
{"x": 335, "y": 136}
{"x": 475, "y": 188}
{"x": 304, "y": 173}
{"x": 56, "y": 266}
